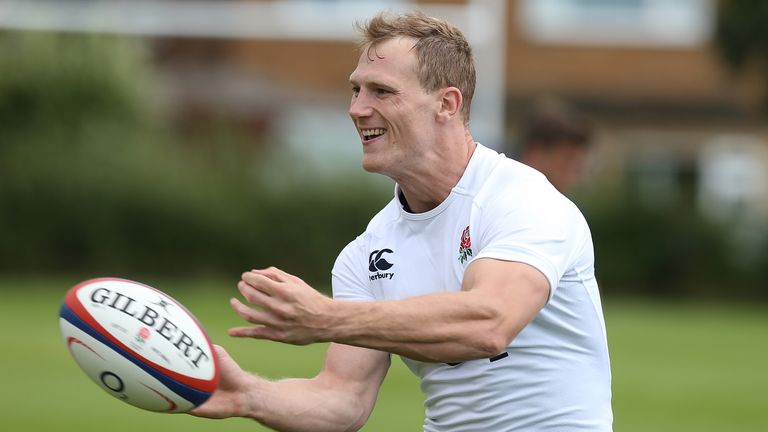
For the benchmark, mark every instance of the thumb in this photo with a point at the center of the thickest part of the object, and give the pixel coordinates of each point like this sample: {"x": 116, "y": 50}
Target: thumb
{"x": 228, "y": 367}
{"x": 229, "y": 398}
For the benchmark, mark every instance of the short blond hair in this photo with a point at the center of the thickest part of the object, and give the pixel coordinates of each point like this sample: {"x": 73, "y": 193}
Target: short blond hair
{"x": 443, "y": 55}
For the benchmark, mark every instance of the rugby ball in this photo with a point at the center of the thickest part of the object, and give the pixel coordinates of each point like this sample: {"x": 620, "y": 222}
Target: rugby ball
{"x": 139, "y": 344}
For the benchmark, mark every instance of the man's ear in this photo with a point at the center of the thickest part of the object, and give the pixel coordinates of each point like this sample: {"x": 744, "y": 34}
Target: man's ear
{"x": 450, "y": 103}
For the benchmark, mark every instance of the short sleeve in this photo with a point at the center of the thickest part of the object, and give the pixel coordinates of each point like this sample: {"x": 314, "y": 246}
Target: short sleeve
{"x": 543, "y": 229}
{"x": 348, "y": 278}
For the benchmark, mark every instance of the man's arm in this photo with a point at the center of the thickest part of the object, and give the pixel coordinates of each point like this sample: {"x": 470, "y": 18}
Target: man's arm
{"x": 339, "y": 398}
{"x": 498, "y": 298}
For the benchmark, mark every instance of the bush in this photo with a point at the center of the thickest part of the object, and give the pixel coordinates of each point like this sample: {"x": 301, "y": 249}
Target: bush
{"x": 94, "y": 184}
{"x": 665, "y": 251}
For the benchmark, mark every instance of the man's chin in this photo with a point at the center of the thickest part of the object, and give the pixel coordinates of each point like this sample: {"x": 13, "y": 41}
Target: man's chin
{"x": 373, "y": 170}
{"x": 371, "y": 165}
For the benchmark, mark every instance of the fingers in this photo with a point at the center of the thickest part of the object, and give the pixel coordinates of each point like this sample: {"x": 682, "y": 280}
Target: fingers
{"x": 275, "y": 303}
{"x": 255, "y": 288}
{"x": 265, "y": 283}
{"x": 251, "y": 315}
{"x": 227, "y": 364}
{"x": 272, "y": 282}
{"x": 220, "y": 352}
{"x": 223, "y": 402}
{"x": 255, "y": 295}
{"x": 267, "y": 307}
{"x": 257, "y": 332}
{"x": 275, "y": 274}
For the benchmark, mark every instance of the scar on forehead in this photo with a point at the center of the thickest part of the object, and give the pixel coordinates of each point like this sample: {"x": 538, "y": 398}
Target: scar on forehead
{"x": 372, "y": 52}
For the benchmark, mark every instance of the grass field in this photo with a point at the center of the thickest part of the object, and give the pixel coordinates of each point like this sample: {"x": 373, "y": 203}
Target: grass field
{"x": 676, "y": 367}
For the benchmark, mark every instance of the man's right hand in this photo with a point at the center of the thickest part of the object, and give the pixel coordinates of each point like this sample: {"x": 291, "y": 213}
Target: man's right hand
{"x": 231, "y": 398}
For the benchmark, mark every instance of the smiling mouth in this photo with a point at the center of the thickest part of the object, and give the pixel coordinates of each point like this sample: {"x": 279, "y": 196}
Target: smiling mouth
{"x": 371, "y": 134}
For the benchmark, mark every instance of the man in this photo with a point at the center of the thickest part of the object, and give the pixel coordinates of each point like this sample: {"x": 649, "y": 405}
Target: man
{"x": 478, "y": 272}
{"x": 556, "y": 141}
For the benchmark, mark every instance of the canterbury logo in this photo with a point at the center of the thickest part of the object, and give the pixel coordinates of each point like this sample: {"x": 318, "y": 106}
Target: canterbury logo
{"x": 376, "y": 262}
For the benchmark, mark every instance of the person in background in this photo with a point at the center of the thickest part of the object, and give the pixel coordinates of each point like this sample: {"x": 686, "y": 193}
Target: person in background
{"x": 556, "y": 141}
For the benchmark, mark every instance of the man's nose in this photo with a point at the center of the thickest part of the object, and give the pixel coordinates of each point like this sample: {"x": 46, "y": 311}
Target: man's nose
{"x": 359, "y": 106}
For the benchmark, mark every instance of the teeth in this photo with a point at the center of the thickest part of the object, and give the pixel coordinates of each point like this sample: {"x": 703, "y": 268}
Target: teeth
{"x": 372, "y": 132}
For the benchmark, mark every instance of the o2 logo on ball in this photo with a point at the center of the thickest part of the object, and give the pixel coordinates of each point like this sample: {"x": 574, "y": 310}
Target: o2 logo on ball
{"x": 114, "y": 383}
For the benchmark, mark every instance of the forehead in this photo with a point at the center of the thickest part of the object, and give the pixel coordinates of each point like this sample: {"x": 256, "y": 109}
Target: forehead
{"x": 393, "y": 59}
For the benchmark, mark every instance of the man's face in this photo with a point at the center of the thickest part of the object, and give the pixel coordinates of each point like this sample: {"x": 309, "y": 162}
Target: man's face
{"x": 564, "y": 164}
{"x": 393, "y": 114}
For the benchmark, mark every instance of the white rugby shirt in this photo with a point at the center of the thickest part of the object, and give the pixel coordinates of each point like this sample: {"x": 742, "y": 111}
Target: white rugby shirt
{"x": 555, "y": 375}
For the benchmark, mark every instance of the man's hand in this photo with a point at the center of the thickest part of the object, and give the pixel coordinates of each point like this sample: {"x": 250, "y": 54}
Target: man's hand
{"x": 282, "y": 307}
{"x": 231, "y": 398}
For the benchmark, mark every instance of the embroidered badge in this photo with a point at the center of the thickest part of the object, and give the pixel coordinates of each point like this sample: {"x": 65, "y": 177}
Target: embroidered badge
{"x": 465, "y": 247}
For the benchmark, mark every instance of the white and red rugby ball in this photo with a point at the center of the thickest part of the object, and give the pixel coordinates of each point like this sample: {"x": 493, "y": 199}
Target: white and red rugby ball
{"x": 139, "y": 344}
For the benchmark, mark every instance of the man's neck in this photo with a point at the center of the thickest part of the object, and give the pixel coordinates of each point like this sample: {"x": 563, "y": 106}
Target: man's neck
{"x": 424, "y": 190}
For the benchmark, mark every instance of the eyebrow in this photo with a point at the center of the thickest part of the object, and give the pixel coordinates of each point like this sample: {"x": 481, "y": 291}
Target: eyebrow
{"x": 380, "y": 84}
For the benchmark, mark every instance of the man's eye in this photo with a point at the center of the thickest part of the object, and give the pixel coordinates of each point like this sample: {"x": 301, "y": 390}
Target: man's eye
{"x": 355, "y": 91}
{"x": 382, "y": 92}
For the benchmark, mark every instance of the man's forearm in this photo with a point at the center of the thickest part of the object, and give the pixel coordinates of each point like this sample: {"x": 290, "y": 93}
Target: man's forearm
{"x": 498, "y": 299}
{"x": 442, "y": 327}
{"x": 303, "y": 405}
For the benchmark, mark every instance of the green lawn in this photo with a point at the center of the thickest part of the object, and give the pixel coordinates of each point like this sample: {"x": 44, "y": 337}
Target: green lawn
{"x": 676, "y": 367}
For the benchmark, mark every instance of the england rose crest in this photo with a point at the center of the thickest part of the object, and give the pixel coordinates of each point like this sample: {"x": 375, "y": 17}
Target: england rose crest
{"x": 465, "y": 246}
{"x": 143, "y": 335}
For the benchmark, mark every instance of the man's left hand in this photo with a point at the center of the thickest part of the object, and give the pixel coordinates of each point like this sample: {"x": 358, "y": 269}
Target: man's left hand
{"x": 283, "y": 308}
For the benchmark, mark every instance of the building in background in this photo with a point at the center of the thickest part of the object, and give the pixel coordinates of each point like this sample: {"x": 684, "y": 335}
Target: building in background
{"x": 645, "y": 71}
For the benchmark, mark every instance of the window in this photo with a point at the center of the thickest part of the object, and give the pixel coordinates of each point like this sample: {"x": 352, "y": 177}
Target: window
{"x": 660, "y": 23}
